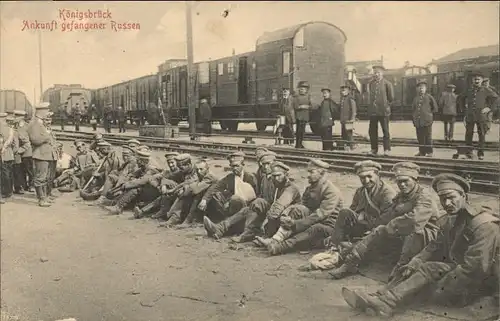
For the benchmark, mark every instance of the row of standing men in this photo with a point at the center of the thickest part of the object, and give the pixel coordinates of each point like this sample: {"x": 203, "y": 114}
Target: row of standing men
{"x": 479, "y": 102}
{"x": 454, "y": 251}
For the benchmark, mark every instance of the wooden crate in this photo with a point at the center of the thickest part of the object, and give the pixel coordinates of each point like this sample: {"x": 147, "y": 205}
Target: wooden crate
{"x": 159, "y": 131}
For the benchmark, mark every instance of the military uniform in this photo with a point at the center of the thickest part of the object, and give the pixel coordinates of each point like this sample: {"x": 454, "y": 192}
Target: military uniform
{"x": 7, "y": 155}
{"x": 77, "y": 117}
{"x": 206, "y": 116}
{"x": 424, "y": 106}
{"x": 347, "y": 116}
{"x": 289, "y": 112}
{"x": 368, "y": 204}
{"x": 379, "y": 110}
{"x": 44, "y": 153}
{"x": 327, "y": 111}
{"x": 313, "y": 220}
{"x": 122, "y": 119}
{"x": 63, "y": 117}
{"x": 475, "y": 100}
{"x": 448, "y": 105}
{"x": 413, "y": 217}
{"x": 459, "y": 266}
{"x": 302, "y": 106}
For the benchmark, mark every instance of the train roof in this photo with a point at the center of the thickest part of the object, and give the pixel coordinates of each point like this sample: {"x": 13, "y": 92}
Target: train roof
{"x": 469, "y": 53}
{"x": 495, "y": 65}
{"x": 289, "y": 32}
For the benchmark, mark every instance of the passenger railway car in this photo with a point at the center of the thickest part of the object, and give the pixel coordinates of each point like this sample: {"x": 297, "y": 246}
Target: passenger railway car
{"x": 11, "y": 100}
{"x": 66, "y": 97}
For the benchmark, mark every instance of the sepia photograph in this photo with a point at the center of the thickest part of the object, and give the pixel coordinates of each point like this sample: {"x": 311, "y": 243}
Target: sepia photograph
{"x": 249, "y": 160}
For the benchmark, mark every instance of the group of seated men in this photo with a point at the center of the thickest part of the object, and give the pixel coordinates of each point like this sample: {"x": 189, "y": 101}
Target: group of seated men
{"x": 453, "y": 253}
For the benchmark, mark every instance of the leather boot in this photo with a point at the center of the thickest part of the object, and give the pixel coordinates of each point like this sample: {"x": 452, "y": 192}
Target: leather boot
{"x": 244, "y": 237}
{"x": 214, "y": 230}
{"x": 139, "y": 213}
{"x": 173, "y": 220}
{"x": 263, "y": 242}
{"x": 349, "y": 267}
{"x": 277, "y": 248}
{"x": 114, "y": 210}
{"x": 42, "y": 200}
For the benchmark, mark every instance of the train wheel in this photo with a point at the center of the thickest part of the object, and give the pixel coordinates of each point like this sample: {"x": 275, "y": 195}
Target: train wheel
{"x": 261, "y": 126}
{"x": 233, "y": 126}
{"x": 223, "y": 125}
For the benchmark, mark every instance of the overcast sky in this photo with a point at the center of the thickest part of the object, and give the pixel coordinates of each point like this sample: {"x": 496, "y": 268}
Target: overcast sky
{"x": 413, "y": 31}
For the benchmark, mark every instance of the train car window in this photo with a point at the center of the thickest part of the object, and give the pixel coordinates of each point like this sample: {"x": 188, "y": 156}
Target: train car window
{"x": 298, "y": 41}
{"x": 286, "y": 62}
{"x": 204, "y": 72}
{"x": 434, "y": 80}
{"x": 220, "y": 68}
{"x": 275, "y": 94}
{"x": 230, "y": 67}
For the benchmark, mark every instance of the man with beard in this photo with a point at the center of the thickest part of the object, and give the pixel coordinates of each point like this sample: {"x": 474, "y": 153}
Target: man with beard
{"x": 477, "y": 101}
{"x": 162, "y": 202}
{"x": 460, "y": 266}
{"x": 412, "y": 217}
{"x": 232, "y": 192}
{"x": 249, "y": 215}
{"x": 137, "y": 188}
{"x": 309, "y": 223}
{"x": 22, "y": 155}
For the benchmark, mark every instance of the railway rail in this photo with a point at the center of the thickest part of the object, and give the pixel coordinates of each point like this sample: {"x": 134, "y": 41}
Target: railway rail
{"x": 483, "y": 176}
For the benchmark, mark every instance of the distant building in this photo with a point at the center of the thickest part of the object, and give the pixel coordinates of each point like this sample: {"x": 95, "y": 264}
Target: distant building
{"x": 466, "y": 57}
{"x": 362, "y": 67}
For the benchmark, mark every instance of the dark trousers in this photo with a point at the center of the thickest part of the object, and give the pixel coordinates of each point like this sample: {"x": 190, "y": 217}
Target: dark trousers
{"x": 94, "y": 126}
{"x": 121, "y": 126}
{"x": 19, "y": 177}
{"x": 449, "y": 124}
{"x": 63, "y": 121}
{"x": 424, "y": 137}
{"x": 28, "y": 170}
{"x": 41, "y": 172}
{"x": 347, "y": 136}
{"x": 288, "y": 133}
{"x": 481, "y": 133}
{"x": 299, "y": 134}
{"x": 107, "y": 125}
{"x": 207, "y": 127}
{"x": 326, "y": 137}
{"x": 373, "y": 132}
{"x": 6, "y": 171}
{"x": 77, "y": 123}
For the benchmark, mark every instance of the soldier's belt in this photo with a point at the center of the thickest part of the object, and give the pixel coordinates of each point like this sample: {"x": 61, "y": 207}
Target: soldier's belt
{"x": 303, "y": 107}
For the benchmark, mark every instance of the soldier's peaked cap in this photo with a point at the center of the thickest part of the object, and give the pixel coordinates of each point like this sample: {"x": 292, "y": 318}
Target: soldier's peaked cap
{"x": 345, "y": 86}
{"x": 103, "y": 144}
{"x": 280, "y": 167}
{"x": 303, "y": 84}
{"x": 133, "y": 141}
{"x": 406, "y": 169}
{"x": 267, "y": 157}
{"x": 443, "y": 183}
{"x": 477, "y": 74}
{"x": 422, "y": 82}
{"x": 19, "y": 113}
{"x": 451, "y": 86}
{"x": 3, "y": 115}
{"x": 326, "y": 89}
{"x": 379, "y": 67}
{"x": 237, "y": 155}
{"x": 143, "y": 153}
{"x": 126, "y": 150}
{"x": 171, "y": 155}
{"x": 183, "y": 158}
{"x": 366, "y": 165}
{"x": 318, "y": 163}
{"x": 42, "y": 106}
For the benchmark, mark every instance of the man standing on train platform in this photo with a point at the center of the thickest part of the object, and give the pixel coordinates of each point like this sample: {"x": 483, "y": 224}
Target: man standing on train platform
{"x": 327, "y": 112}
{"x": 289, "y": 113}
{"x": 47, "y": 121}
{"x": 23, "y": 161}
{"x": 7, "y": 154}
{"x": 302, "y": 106}
{"x": 486, "y": 83}
{"x": 93, "y": 117}
{"x": 44, "y": 152}
{"x": 122, "y": 119}
{"x": 477, "y": 101}
{"x": 448, "y": 108}
{"x": 77, "y": 116}
{"x": 206, "y": 116}
{"x": 424, "y": 106}
{"x": 63, "y": 116}
{"x": 379, "y": 109}
{"x": 347, "y": 116}
{"x": 456, "y": 269}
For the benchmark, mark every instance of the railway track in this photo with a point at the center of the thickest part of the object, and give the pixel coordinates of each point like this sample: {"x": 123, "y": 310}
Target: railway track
{"x": 483, "y": 176}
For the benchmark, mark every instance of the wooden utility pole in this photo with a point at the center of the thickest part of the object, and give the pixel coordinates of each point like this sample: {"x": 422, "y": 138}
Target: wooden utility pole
{"x": 191, "y": 100}
{"x": 40, "y": 63}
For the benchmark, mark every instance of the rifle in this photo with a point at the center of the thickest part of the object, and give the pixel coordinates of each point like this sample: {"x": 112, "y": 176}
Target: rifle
{"x": 98, "y": 169}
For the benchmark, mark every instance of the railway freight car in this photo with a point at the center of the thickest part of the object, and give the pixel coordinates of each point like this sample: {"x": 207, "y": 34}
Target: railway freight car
{"x": 11, "y": 100}
{"x": 65, "y": 97}
{"x": 247, "y": 87}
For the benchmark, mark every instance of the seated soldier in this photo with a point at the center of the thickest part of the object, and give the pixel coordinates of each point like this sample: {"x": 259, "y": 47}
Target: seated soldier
{"x": 412, "y": 217}
{"x": 309, "y": 223}
{"x": 155, "y": 181}
{"x": 95, "y": 141}
{"x": 457, "y": 268}
{"x": 116, "y": 178}
{"x": 189, "y": 195}
{"x": 370, "y": 201}
{"x": 231, "y": 193}
{"x": 86, "y": 162}
{"x": 253, "y": 216}
{"x": 64, "y": 162}
{"x": 136, "y": 188}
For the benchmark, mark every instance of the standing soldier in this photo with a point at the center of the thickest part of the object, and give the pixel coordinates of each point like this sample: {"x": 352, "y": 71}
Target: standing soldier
{"x": 93, "y": 117}
{"x": 22, "y": 155}
{"x": 486, "y": 83}
{"x": 302, "y": 106}
{"x": 44, "y": 152}
{"x": 477, "y": 99}
{"x": 63, "y": 116}
{"x": 122, "y": 118}
{"x": 424, "y": 106}
{"x": 108, "y": 116}
{"x": 289, "y": 113}
{"x": 347, "y": 115}
{"x": 77, "y": 116}
{"x": 326, "y": 117}
{"x": 448, "y": 106}
{"x": 206, "y": 116}
{"x": 7, "y": 155}
{"x": 379, "y": 110}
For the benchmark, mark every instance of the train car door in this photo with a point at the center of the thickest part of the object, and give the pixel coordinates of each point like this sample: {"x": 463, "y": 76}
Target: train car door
{"x": 243, "y": 81}
{"x": 410, "y": 90}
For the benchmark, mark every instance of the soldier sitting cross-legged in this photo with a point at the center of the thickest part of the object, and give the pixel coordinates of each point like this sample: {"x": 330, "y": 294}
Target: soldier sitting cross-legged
{"x": 456, "y": 268}
{"x": 310, "y": 223}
